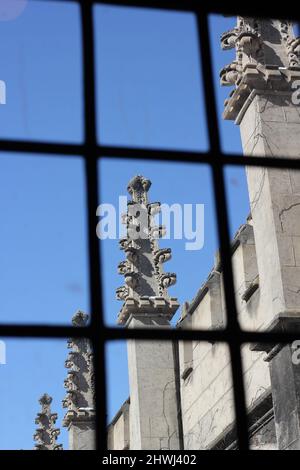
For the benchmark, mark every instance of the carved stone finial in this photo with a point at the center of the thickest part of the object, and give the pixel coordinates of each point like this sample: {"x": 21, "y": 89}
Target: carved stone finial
{"x": 80, "y": 318}
{"x": 146, "y": 284}
{"x": 46, "y": 434}
{"x": 45, "y": 400}
{"x": 138, "y": 188}
{"x": 80, "y": 397}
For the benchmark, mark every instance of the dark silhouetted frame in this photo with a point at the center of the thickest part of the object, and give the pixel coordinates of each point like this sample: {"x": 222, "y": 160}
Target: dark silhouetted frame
{"x": 92, "y": 151}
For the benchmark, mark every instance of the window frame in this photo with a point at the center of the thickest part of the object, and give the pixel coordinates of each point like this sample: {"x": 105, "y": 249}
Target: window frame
{"x": 92, "y": 152}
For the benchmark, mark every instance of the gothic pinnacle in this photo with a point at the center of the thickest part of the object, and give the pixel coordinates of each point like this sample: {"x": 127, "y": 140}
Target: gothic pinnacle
{"x": 46, "y": 434}
{"x": 79, "y": 383}
{"x": 146, "y": 283}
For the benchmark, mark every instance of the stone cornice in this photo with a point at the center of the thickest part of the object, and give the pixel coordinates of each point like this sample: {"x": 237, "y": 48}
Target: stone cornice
{"x": 270, "y": 80}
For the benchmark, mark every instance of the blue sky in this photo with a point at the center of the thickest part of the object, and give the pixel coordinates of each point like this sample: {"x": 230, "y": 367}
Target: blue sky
{"x": 149, "y": 94}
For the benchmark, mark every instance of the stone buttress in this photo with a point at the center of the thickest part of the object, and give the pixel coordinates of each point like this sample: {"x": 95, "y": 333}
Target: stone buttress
{"x": 265, "y": 75}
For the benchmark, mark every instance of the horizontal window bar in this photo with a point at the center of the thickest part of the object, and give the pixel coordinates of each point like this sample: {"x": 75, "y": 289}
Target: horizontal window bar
{"x": 109, "y": 334}
{"x": 255, "y": 8}
{"x": 84, "y": 151}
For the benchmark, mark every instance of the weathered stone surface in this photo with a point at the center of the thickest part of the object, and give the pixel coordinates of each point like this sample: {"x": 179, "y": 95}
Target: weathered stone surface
{"x": 285, "y": 378}
{"x": 153, "y": 400}
{"x": 118, "y": 430}
{"x": 270, "y": 124}
{"x": 262, "y": 105}
{"x": 265, "y": 437}
{"x": 267, "y": 58}
{"x": 82, "y": 434}
{"x": 80, "y": 398}
{"x": 46, "y": 434}
{"x": 146, "y": 283}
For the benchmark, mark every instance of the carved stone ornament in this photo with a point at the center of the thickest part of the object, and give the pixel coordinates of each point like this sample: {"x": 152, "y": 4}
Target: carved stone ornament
{"x": 132, "y": 254}
{"x": 145, "y": 290}
{"x": 158, "y": 231}
{"x": 79, "y": 383}
{"x": 132, "y": 279}
{"x": 249, "y": 43}
{"x": 122, "y": 293}
{"x": 162, "y": 255}
{"x": 228, "y": 39}
{"x": 124, "y": 267}
{"x": 138, "y": 188}
{"x": 46, "y": 434}
{"x": 293, "y": 48}
{"x": 168, "y": 279}
{"x": 230, "y": 74}
{"x": 124, "y": 243}
{"x": 267, "y": 59}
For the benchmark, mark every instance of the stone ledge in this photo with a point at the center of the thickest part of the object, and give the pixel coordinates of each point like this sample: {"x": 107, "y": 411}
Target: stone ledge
{"x": 80, "y": 416}
{"x": 268, "y": 79}
{"x": 148, "y": 306}
{"x": 283, "y": 322}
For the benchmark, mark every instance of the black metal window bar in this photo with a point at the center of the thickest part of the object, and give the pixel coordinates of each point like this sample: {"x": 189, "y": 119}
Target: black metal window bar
{"x": 92, "y": 151}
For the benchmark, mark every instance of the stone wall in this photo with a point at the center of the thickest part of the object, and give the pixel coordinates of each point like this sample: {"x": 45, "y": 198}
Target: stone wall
{"x": 118, "y": 430}
{"x": 205, "y": 373}
{"x": 206, "y": 385}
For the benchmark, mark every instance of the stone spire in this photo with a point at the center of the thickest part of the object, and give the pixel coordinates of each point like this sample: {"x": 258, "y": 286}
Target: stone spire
{"x": 267, "y": 58}
{"x": 146, "y": 283}
{"x": 46, "y": 434}
{"x": 153, "y": 412}
{"x": 79, "y": 401}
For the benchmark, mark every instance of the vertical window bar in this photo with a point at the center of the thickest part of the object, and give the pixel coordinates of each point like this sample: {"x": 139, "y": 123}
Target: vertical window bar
{"x": 223, "y": 229}
{"x": 91, "y": 159}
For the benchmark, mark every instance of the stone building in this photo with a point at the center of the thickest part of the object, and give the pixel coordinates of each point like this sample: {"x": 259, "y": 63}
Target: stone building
{"x": 181, "y": 393}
